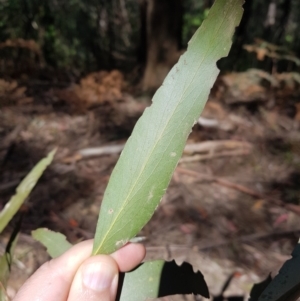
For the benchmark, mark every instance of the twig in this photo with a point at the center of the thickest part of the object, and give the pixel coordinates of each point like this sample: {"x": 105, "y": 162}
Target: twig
{"x": 216, "y": 244}
{"x": 12, "y": 136}
{"x": 216, "y": 145}
{"x": 210, "y": 147}
{"x": 241, "y": 188}
{"x": 8, "y": 143}
{"x": 214, "y": 155}
{"x": 246, "y": 238}
{"x": 100, "y": 151}
{"x": 194, "y": 174}
{"x": 9, "y": 185}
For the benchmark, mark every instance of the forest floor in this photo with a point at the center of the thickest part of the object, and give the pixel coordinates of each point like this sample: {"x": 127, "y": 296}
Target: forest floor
{"x": 232, "y": 207}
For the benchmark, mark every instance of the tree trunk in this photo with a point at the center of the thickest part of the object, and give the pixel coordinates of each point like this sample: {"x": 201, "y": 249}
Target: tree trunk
{"x": 163, "y": 40}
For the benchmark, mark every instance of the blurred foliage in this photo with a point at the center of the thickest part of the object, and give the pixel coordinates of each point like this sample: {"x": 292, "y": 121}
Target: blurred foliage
{"x": 88, "y": 35}
{"x": 276, "y": 22}
{"x": 83, "y": 35}
{"x": 195, "y": 13}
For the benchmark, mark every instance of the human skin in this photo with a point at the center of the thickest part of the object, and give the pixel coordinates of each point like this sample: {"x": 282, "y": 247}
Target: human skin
{"x": 76, "y": 275}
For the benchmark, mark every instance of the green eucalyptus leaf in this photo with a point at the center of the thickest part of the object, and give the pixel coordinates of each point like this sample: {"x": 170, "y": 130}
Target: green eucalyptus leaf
{"x": 4, "y": 274}
{"x": 140, "y": 283}
{"x": 159, "y": 278}
{"x": 286, "y": 284}
{"x": 55, "y": 242}
{"x": 23, "y": 190}
{"x": 6, "y": 260}
{"x": 145, "y": 166}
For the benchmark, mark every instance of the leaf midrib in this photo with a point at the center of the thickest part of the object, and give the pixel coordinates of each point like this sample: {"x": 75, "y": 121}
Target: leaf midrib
{"x": 154, "y": 147}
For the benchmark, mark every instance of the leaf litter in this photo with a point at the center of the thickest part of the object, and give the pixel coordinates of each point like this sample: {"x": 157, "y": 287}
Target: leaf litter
{"x": 216, "y": 228}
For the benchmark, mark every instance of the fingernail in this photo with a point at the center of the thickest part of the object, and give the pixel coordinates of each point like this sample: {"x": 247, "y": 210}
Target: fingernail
{"x": 98, "y": 276}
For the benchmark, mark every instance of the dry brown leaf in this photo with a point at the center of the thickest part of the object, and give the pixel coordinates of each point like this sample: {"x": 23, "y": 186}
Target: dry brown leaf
{"x": 258, "y": 205}
{"x": 11, "y": 93}
{"x": 248, "y": 86}
{"x": 21, "y": 43}
{"x": 261, "y": 53}
{"x": 94, "y": 89}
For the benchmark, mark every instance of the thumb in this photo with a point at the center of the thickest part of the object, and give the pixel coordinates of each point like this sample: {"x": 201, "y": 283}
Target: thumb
{"x": 96, "y": 279}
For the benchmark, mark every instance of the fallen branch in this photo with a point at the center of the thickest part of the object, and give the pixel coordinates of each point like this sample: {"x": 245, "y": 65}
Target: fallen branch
{"x": 11, "y": 137}
{"x": 173, "y": 251}
{"x": 214, "y": 155}
{"x": 8, "y": 142}
{"x": 241, "y": 188}
{"x": 216, "y": 146}
{"x": 100, "y": 151}
{"x": 9, "y": 185}
{"x": 209, "y": 148}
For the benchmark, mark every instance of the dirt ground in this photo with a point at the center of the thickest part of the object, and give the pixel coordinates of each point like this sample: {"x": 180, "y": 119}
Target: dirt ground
{"x": 232, "y": 208}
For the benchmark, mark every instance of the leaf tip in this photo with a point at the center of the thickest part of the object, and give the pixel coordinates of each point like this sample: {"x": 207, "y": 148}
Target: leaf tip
{"x": 53, "y": 153}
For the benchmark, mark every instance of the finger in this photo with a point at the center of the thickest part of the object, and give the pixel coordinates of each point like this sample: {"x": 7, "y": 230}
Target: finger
{"x": 52, "y": 281}
{"x": 97, "y": 277}
{"x": 129, "y": 256}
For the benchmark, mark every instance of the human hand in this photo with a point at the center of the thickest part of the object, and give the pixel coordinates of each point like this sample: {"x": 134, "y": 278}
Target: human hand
{"x": 76, "y": 275}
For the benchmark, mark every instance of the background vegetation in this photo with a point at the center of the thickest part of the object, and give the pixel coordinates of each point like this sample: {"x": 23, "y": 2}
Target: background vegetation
{"x": 82, "y": 36}
{"x": 75, "y": 75}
